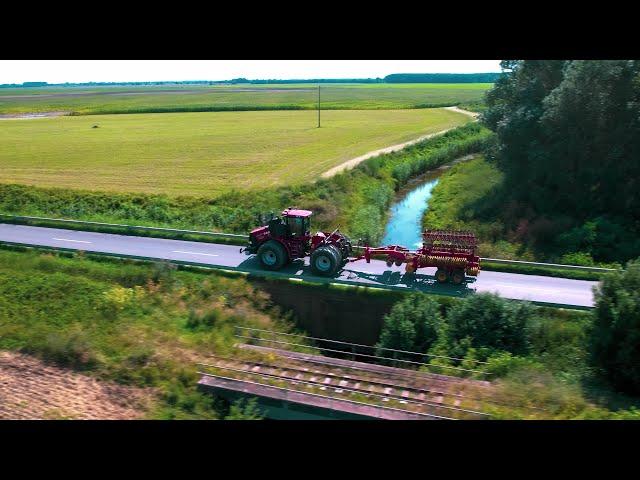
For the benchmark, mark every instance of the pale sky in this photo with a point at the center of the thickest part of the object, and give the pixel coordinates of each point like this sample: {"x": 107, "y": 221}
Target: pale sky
{"x": 78, "y": 71}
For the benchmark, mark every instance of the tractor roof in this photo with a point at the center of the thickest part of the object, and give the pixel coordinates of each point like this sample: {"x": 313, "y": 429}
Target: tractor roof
{"x": 290, "y": 212}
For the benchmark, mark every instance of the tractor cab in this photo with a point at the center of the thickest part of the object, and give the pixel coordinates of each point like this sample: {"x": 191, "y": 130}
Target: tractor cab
{"x": 298, "y": 222}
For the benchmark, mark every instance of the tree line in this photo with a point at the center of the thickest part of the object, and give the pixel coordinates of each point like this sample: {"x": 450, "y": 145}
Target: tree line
{"x": 568, "y": 142}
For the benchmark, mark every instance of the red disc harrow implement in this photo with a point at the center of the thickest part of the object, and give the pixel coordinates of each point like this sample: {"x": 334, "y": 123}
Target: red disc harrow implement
{"x": 453, "y": 253}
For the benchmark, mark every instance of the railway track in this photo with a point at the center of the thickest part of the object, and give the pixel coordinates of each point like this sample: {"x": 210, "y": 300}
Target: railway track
{"x": 446, "y": 400}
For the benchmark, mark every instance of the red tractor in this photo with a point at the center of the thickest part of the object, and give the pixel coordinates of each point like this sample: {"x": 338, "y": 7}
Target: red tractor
{"x": 288, "y": 237}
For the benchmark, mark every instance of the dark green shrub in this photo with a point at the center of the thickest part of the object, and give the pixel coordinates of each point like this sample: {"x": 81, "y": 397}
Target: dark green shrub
{"x": 245, "y": 409}
{"x": 205, "y": 320}
{"x": 413, "y": 324}
{"x": 71, "y": 350}
{"x": 615, "y": 336}
{"x": 489, "y": 323}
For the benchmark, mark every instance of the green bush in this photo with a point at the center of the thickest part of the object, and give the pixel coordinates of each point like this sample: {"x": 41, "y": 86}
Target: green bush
{"x": 69, "y": 349}
{"x": 413, "y": 324}
{"x": 487, "y": 321}
{"x": 615, "y": 337}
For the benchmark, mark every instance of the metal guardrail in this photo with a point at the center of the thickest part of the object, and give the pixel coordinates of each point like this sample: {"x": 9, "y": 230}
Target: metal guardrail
{"x": 500, "y": 261}
{"x": 558, "y": 266}
{"x": 128, "y": 227}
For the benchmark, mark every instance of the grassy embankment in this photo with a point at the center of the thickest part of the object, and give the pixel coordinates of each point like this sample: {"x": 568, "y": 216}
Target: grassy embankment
{"x": 138, "y": 324}
{"x": 201, "y": 154}
{"x": 146, "y": 325}
{"x": 454, "y": 204}
{"x": 163, "y": 99}
{"x": 357, "y": 199}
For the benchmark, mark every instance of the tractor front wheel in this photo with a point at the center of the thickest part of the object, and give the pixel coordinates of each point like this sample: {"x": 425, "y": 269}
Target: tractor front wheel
{"x": 325, "y": 261}
{"x": 272, "y": 255}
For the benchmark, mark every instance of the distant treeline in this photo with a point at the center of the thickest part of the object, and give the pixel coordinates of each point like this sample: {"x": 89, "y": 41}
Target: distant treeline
{"x": 442, "y": 78}
{"x": 394, "y": 78}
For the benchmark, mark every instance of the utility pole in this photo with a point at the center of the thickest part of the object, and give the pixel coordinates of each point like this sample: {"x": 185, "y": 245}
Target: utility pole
{"x": 318, "y": 105}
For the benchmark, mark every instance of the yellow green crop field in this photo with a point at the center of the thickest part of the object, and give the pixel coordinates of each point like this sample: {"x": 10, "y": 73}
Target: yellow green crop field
{"x": 190, "y": 98}
{"x": 201, "y": 153}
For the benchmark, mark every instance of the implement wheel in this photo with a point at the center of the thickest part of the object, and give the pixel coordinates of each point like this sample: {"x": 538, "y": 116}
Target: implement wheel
{"x": 272, "y": 255}
{"x": 442, "y": 276}
{"x": 458, "y": 277}
{"x": 325, "y": 261}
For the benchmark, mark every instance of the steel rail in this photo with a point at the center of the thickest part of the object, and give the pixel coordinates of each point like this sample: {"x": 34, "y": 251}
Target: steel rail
{"x": 326, "y": 397}
{"x": 349, "y": 389}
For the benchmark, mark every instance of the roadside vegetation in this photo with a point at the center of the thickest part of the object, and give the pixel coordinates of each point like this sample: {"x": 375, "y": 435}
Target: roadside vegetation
{"x": 190, "y": 98}
{"x": 459, "y": 201}
{"x": 143, "y": 325}
{"x": 356, "y": 199}
{"x": 545, "y": 362}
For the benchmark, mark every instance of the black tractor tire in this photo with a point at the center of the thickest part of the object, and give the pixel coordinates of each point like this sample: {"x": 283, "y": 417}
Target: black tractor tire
{"x": 457, "y": 278}
{"x": 442, "y": 276}
{"x": 325, "y": 261}
{"x": 272, "y": 255}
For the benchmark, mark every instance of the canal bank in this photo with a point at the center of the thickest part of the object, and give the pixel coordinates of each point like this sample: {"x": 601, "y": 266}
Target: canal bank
{"x": 404, "y": 226}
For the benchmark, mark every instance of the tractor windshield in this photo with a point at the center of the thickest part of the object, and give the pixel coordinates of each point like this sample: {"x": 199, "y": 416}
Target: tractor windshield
{"x": 298, "y": 226}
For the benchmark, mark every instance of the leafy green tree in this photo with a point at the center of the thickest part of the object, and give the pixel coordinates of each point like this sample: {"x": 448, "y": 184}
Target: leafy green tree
{"x": 615, "y": 337}
{"x": 568, "y": 142}
{"x": 413, "y": 324}
{"x": 488, "y": 323}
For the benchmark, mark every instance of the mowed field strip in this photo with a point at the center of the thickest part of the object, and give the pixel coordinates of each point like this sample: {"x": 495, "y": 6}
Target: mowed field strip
{"x": 132, "y": 99}
{"x": 204, "y": 153}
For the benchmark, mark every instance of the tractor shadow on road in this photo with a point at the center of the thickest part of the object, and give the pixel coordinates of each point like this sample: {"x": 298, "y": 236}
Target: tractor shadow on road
{"x": 419, "y": 282}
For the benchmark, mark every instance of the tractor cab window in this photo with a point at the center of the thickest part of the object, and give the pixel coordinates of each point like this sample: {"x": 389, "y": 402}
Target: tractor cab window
{"x": 298, "y": 225}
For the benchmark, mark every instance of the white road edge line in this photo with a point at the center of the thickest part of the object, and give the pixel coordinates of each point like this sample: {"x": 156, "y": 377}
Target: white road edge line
{"x": 69, "y": 240}
{"x": 196, "y": 253}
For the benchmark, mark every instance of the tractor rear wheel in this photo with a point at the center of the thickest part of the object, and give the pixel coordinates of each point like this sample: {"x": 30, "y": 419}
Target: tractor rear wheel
{"x": 325, "y": 261}
{"x": 441, "y": 275}
{"x": 272, "y": 255}
{"x": 458, "y": 276}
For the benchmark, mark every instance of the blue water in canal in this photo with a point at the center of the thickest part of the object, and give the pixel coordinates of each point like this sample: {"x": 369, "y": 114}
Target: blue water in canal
{"x": 405, "y": 219}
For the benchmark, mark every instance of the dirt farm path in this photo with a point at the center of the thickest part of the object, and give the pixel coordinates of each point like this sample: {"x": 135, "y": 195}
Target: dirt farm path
{"x": 28, "y": 116}
{"x": 31, "y": 389}
{"x": 393, "y": 148}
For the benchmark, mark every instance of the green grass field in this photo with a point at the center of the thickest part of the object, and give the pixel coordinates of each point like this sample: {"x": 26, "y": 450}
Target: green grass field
{"x": 136, "y": 324}
{"x": 101, "y": 100}
{"x": 201, "y": 154}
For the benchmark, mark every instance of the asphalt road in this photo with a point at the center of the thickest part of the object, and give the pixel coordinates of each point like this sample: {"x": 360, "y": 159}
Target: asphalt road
{"x": 509, "y": 285}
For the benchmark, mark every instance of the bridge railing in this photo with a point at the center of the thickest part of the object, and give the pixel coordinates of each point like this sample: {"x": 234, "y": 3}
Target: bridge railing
{"x": 385, "y": 356}
{"x": 4, "y": 218}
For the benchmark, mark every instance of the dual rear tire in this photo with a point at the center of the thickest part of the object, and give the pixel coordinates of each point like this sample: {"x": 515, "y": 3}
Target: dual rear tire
{"x": 326, "y": 261}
